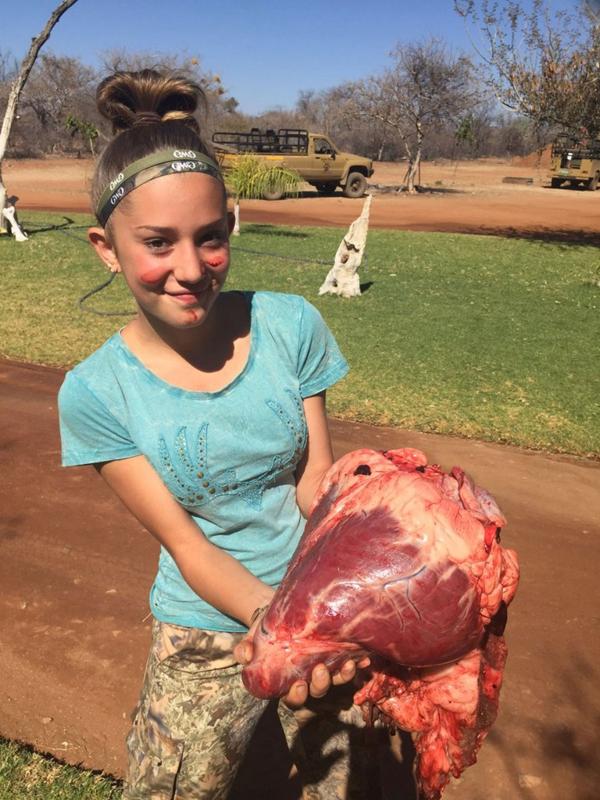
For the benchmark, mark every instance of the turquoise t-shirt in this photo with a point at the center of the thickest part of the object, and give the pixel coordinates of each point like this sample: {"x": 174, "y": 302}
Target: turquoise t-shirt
{"x": 228, "y": 456}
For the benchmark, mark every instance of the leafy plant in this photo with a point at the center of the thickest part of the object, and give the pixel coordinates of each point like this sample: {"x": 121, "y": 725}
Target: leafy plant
{"x": 87, "y": 130}
{"x": 250, "y": 178}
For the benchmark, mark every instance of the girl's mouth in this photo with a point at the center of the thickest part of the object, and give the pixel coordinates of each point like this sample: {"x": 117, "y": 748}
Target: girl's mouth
{"x": 188, "y": 298}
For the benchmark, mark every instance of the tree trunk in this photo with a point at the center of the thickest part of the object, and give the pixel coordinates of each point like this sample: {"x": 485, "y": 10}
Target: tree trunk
{"x": 3, "y": 204}
{"x": 412, "y": 172}
{"x": 408, "y": 181}
{"x": 17, "y": 88}
{"x": 414, "y": 161}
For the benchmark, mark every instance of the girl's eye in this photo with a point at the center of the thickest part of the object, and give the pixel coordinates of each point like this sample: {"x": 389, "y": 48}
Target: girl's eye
{"x": 213, "y": 242}
{"x": 156, "y": 244}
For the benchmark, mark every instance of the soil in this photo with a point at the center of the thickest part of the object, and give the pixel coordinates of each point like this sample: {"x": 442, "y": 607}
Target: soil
{"x": 76, "y": 569}
{"x": 74, "y": 627}
{"x": 461, "y": 196}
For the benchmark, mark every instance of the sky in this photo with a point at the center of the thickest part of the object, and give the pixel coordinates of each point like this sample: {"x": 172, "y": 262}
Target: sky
{"x": 265, "y": 51}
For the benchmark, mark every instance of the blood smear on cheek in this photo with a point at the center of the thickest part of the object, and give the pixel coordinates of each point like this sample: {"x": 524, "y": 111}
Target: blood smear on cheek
{"x": 154, "y": 275}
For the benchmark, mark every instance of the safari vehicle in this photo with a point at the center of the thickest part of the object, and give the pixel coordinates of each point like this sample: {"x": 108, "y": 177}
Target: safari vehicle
{"x": 575, "y": 162}
{"x": 312, "y": 155}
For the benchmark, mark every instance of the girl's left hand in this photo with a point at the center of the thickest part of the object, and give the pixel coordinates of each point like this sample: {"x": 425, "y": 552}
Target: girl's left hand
{"x": 321, "y": 679}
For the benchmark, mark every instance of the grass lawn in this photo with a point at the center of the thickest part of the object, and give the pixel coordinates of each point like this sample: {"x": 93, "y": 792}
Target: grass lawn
{"x": 25, "y": 775}
{"x": 473, "y": 336}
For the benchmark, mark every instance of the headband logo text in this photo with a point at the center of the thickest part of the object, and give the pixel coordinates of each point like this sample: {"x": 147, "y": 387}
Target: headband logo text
{"x": 184, "y": 154}
{"x": 116, "y": 181}
{"x": 117, "y": 196}
{"x": 183, "y": 166}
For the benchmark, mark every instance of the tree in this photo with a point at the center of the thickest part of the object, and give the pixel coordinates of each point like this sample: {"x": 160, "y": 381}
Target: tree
{"x": 9, "y": 67}
{"x": 250, "y": 178}
{"x": 425, "y": 87}
{"x": 59, "y": 87}
{"x": 541, "y": 63}
{"x": 87, "y": 130}
{"x": 17, "y": 88}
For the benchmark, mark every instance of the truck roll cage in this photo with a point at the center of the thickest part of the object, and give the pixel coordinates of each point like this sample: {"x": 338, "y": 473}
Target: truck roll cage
{"x": 285, "y": 140}
{"x": 587, "y": 148}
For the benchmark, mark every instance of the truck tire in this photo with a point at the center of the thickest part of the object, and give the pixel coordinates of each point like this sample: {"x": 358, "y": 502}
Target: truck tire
{"x": 273, "y": 194}
{"x": 356, "y": 185}
{"x": 326, "y": 188}
{"x": 555, "y": 183}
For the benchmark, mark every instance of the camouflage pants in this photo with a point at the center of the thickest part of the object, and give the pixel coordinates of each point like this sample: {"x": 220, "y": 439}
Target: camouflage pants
{"x": 195, "y": 720}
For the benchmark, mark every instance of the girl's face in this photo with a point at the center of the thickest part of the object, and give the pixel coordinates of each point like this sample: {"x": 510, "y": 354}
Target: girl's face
{"x": 170, "y": 238}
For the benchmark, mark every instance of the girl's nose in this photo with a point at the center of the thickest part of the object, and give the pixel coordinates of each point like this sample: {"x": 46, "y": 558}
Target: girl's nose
{"x": 190, "y": 266}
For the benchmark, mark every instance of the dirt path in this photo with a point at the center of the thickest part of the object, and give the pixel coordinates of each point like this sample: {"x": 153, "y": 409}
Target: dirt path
{"x": 75, "y": 572}
{"x": 466, "y": 197}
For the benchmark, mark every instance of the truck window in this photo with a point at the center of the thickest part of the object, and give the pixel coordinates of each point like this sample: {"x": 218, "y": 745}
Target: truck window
{"x": 322, "y": 147}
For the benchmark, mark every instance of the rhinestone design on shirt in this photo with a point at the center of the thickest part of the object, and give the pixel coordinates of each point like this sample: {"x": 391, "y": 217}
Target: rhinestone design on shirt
{"x": 189, "y": 475}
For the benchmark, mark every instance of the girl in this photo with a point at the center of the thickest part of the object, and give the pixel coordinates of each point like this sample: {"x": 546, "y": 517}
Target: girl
{"x": 206, "y": 416}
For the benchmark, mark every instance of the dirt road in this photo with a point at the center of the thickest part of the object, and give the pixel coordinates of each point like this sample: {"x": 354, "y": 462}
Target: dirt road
{"x": 75, "y": 572}
{"x": 465, "y": 197}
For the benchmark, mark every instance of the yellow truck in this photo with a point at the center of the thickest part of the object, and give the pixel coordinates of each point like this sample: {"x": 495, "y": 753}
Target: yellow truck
{"x": 575, "y": 162}
{"x": 312, "y": 155}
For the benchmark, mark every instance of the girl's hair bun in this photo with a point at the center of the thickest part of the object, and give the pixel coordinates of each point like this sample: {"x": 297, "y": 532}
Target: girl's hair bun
{"x": 149, "y": 111}
{"x": 129, "y": 99}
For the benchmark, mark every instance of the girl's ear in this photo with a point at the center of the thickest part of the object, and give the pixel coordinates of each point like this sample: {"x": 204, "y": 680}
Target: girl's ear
{"x": 104, "y": 248}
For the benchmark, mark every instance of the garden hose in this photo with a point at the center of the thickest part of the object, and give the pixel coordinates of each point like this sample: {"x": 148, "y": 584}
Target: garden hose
{"x": 97, "y": 289}
{"x": 106, "y": 283}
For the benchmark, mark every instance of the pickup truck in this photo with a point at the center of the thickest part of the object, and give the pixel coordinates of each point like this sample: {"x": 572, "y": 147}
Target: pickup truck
{"x": 312, "y": 155}
{"x": 575, "y": 162}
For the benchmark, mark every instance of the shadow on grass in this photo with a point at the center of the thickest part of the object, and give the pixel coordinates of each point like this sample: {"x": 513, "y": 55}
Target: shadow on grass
{"x": 364, "y": 287}
{"x": 274, "y": 230}
{"x": 567, "y": 238}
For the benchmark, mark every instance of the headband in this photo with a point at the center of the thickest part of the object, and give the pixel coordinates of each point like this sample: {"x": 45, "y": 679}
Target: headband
{"x": 164, "y": 162}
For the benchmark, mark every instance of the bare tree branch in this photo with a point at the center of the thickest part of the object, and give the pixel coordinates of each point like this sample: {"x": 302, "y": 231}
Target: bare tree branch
{"x": 17, "y": 87}
{"x": 425, "y": 87}
{"x": 541, "y": 63}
